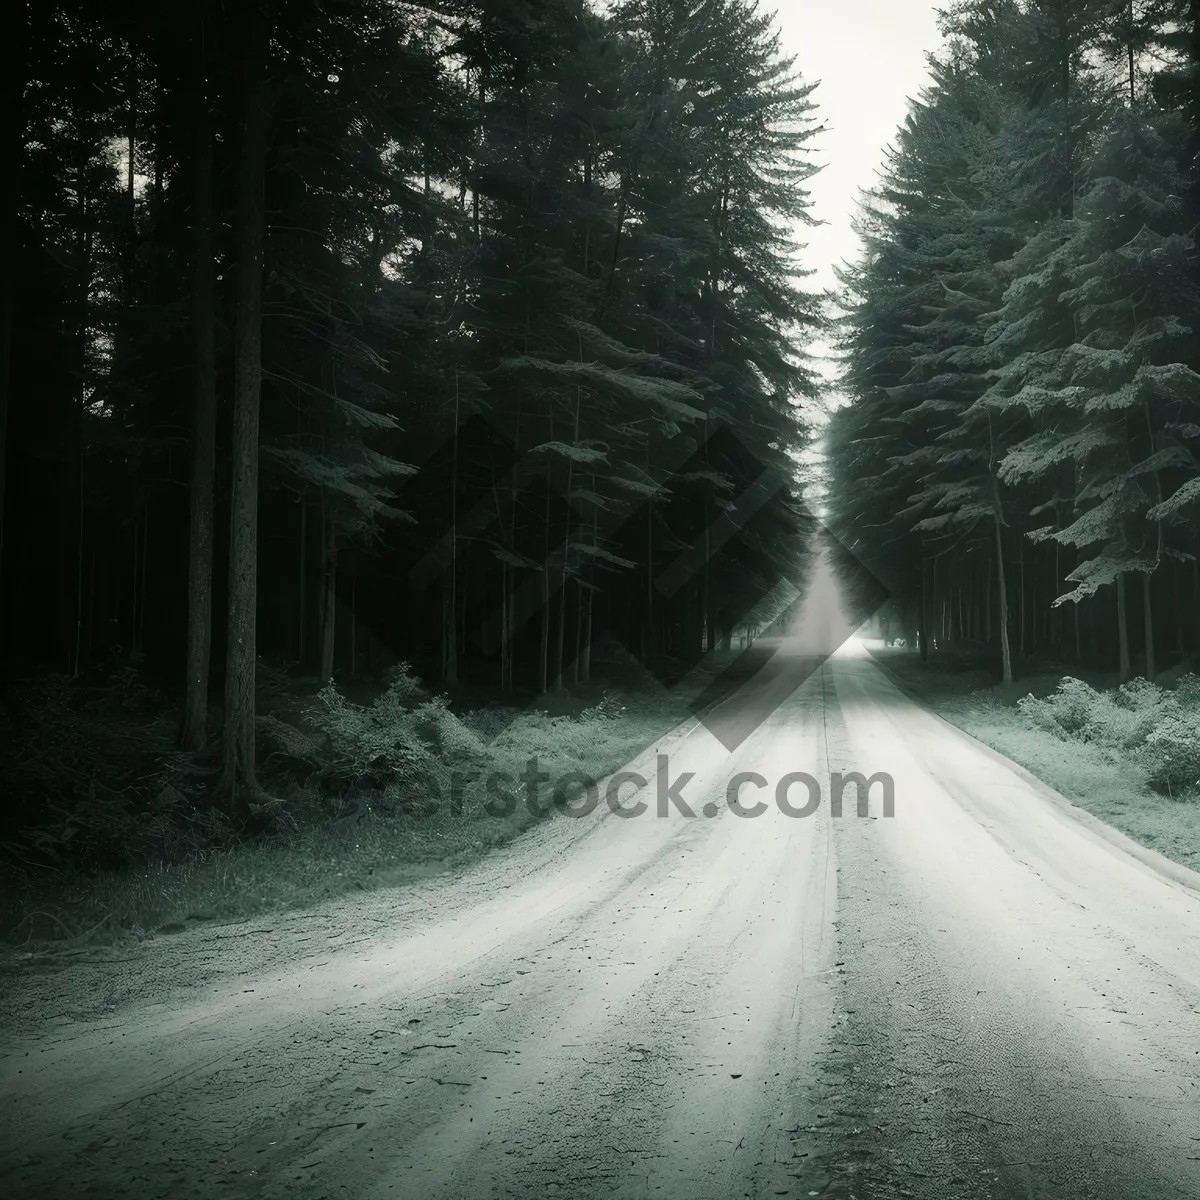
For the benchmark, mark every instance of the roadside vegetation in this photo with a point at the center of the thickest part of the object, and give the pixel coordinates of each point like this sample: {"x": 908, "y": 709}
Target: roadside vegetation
{"x": 359, "y": 784}
{"x": 1127, "y": 753}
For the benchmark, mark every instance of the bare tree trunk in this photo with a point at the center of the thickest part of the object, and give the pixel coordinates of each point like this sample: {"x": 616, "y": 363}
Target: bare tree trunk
{"x": 1148, "y": 627}
{"x": 562, "y": 596}
{"x": 1122, "y": 629}
{"x": 588, "y": 599}
{"x": 987, "y": 594}
{"x": 141, "y": 626}
{"x": 91, "y": 607}
{"x": 544, "y": 640}
{"x": 302, "y": 639}
{"x": 11, "y": 132}
{"x": 1021, "y": 636}
{"x": 204, "y": 430}
{"x": 1005, "y": 650}
{"x": 79, "y": 573}
{"x": 450, "y": 632}
{"x": 1179, "y": 620}
{"x": 327, "y": 642}
{"x": 353, "y": 616}
{"x": 923, "y": 635}
{"x": 1052, "y": 613}
{"x": 933, "y": 599}
{"x": 583, "y": 636}
{"x": 505, "y": 645}
{"x": 239, "y": 781}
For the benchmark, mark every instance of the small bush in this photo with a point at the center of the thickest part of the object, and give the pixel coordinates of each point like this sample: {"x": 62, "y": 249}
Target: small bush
{"x": 1187, "y": 693}
{"x": 1157, "y": 727}
{"x": 405, "y": 741}
{"x": 1172, "y": 752}
{"x": 1069, "y": 711}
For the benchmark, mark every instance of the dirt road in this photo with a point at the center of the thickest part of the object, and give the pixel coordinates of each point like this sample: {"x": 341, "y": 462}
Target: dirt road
{"x": 981, "y": 996}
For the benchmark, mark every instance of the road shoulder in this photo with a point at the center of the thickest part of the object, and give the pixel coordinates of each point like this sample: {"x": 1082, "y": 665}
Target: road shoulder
{"x": 1105, "y": 797}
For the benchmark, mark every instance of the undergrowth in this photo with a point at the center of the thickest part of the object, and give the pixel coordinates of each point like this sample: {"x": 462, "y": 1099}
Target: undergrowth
{"x": 115, "y": 833}
{"x": 1126, "y": 755}
{"x": 1156, "y": 727}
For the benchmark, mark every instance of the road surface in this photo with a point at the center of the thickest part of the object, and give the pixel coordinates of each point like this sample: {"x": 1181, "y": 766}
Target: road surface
{"x": 980, "y": 996}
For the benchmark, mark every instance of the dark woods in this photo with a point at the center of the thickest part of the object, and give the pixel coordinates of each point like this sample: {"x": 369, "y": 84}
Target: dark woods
{"x": 1019, "y": 461}
{"x": 337, "y": 333}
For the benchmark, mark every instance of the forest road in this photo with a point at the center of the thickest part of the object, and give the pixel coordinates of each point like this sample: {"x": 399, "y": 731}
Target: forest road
{"x": 980, "y": 996}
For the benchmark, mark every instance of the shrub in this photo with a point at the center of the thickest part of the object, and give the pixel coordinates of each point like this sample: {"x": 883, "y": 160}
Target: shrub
{"x": 1187, "y": 693}
{"x": 1172, "y": 754}
{"x": 1157, "y": 727}
{"x": 1069, "y": 711}
{"x": 404, "y": 741}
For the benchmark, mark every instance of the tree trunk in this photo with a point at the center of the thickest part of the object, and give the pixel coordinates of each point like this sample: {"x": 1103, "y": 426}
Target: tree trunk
{"x": 302, "y": 639}
{"x": 353, "y": 616}
{"x": 562, "y": 579}
{"x": 204, "y": 432}
{"x": 505, "y": 628}
{"x": 11, "y": 133}
{"x": 923, "y": 635}
{"x": 544, "y": 643}
{"x": 987, "y": 601}
{"x": 1122, "y": 629}
{"x": 931, "y": 605}
{"x": 141, "y": 605}
{"x": 1052, "y": 613}
{"x": 79, "y": 573}
{"x": 327, "y": 640}
{"x": 450, "y": 632}
{"x": 544, "y": 640}
{"x": 1021, "y": 561}
{"x": 577, "y": 669}
{"x": 1002, "y": 596}
{"x": 1148, "y": 627}
{"x": 508, "y": 616}
{"x": 1179, "y": 618}
{"x": 239, "y": 782}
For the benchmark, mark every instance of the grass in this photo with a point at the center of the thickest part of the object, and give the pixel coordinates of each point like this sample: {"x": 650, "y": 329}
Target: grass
{"x": 1088, "y": 742}
{"x": 362, "y": 835}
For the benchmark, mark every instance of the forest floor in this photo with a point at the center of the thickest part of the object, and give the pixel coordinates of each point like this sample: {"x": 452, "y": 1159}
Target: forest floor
{"x": 1104, "y": 777}
{"x": 358, "y": 839}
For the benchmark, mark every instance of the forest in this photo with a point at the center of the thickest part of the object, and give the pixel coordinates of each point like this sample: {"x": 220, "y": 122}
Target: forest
{"x": 1017, "y": 459}
{"x": 359, "y": 340}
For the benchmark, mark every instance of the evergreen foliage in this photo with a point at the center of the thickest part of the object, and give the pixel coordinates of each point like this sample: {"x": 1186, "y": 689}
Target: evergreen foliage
{"x": 1019, "y": 338}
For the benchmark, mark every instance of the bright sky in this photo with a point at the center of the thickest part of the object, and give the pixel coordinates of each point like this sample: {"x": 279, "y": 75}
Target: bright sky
{"x": 868, "y": 57}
